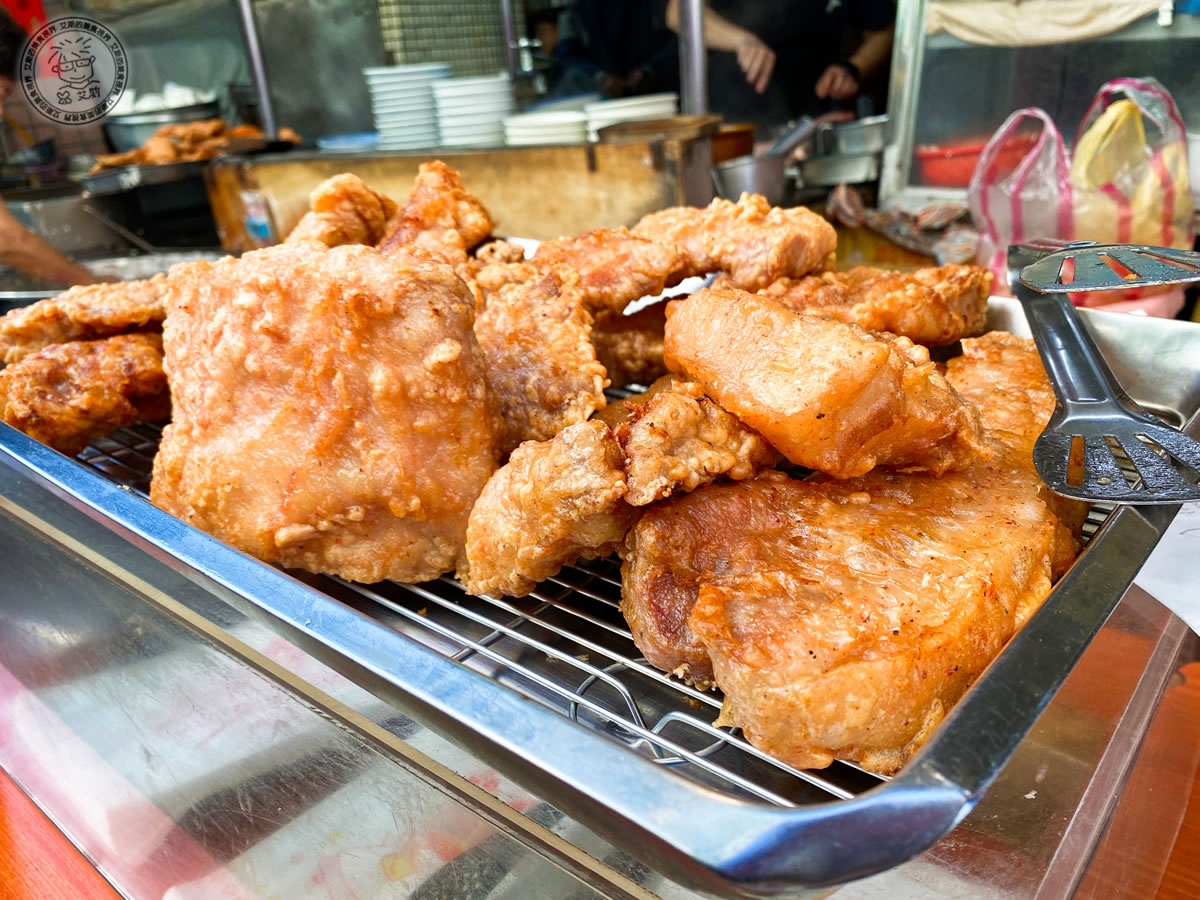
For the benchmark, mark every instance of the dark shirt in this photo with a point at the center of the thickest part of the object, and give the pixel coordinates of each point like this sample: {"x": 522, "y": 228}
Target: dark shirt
{"x": 618, "y": 37}
{"x": 807, "y": 37}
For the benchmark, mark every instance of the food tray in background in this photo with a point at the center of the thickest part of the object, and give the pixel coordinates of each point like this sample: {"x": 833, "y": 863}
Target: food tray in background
{"x": 620, "y": 746}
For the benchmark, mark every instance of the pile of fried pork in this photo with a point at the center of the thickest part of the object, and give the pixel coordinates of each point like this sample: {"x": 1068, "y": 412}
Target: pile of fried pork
{"x": 813, "y": 516}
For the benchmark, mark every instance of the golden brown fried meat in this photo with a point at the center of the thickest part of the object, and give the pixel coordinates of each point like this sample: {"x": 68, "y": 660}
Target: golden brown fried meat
{"x": 844, "y": 618}
{"x": 440, "y": 216}
{"x": 615, "y": 267}
{"x": 827, "y": 395}
{"x": 344, "y": 210}
{"x": 934, "y": 307}
{"x": 500, "y": 252}
{"x": 66, "y": 394}
{"x": 753, "y": 242}
{"x": 535, "y": 337}
{"x": 330, "y": 410}
{"x": 679, "y": 439}
{"x": 1002, "y": 375}
{"x": 616, "y": 414}
{"x": 631, "y": 347}
{"x": 188, "y": 133}
{"x": 555, "y": 502}
{"x": 82, "y": 313}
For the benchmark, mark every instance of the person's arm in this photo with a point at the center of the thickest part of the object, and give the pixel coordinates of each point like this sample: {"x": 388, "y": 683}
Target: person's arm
{"x": 30, "y": 254}
{"x": 840, "y": 82}
{"x": 754, "y": 57}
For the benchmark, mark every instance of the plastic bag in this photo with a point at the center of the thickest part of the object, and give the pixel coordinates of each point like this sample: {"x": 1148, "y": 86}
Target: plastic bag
{"x": 1128, "y": 183}
{"x": 1014, "y": 201}
{"x": 1130, "y": 168}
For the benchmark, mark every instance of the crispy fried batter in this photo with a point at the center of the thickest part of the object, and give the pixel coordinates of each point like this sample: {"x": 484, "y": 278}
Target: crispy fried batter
{"x": 500, "y": 252}
{"x": 827, "y": 395}
{"x": 679, "y": 439}
{"x": 1002, "y": 375}
{"x": 344, "y": 210}
{"x": 753, "y": 242}
{"x": 631, "y": 347}
{"x": 553, "y": 503}
{"x": 615, "y": 267}
{"x": 66, "y": 394}
{"x": 934, "y": 307}
{"x": 440, "y": 216}
{"x": 82, "y": 313}
{"x": 540, "y": 360}
{"x": 331, "y": 410}
{"x": 616, "y": 414}
{"x": 844, "y": 619}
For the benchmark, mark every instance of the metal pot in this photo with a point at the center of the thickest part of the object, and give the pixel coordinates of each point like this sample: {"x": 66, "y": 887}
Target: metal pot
{"x": 856, "y": 138}
{"x": 130, "y": 131}
{"x": 761, "y": 174}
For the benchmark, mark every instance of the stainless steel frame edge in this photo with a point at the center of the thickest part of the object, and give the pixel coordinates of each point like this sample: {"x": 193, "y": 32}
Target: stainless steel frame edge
{"x": 690, "y": 832}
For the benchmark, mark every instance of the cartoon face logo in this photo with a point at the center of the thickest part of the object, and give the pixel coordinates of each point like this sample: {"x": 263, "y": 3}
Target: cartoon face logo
{"x": 73, "y": 70}
{"x": 72, "y": 61}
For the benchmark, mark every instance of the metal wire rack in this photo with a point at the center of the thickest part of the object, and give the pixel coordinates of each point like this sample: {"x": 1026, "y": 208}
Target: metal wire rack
{"x": 566, "y": 646}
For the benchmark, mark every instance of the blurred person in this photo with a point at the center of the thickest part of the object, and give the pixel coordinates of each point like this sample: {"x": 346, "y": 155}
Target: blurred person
{"x": 771, "y": 61}
{"x": 20, "y": 248}
{"x": 620, "y": 48}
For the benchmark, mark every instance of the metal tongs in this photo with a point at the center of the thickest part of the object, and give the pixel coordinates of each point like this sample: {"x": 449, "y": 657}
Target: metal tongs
{"x": 1096, "y": 425}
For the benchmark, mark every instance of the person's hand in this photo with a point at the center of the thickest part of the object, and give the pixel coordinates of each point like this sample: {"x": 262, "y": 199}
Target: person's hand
{"x": 757, "y": 60}
{"x": 837, "y": 83}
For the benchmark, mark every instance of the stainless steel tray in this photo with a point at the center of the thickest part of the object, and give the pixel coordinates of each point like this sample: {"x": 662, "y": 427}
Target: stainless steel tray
{"x": 549, "y": 688}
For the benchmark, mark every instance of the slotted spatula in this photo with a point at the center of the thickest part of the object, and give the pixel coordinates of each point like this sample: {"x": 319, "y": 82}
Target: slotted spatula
{"x": 1094, "y": 416}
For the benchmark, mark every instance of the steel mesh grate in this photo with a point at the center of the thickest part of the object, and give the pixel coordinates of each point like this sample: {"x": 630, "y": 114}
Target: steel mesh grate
{"x": 566, "y": 646}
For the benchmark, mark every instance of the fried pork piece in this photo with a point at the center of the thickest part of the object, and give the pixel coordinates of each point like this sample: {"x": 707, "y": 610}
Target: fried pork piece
{"x": 827, "y": 395}
{"x": 679, "y": 439}
{"x": 934, "y": 306}
{"x": 631, "y": 347}
{"x": 842, "y": 619}
{"x": 615, "y": 267}
{"x": 753, "y": 242}
{"x": 344, "y": 210}
{"x": 500, "y": 252}
{"x": 555, "y": 502}
{"x": 66, "y": 394}
{"x": 330, "y": 410}
{"x": 1002, "y": 375}
{"x": 82, "y": 313}
{"x": 535, "y": 337}
{"x": 440, "y": 216}
{"x": 616, "y": 414}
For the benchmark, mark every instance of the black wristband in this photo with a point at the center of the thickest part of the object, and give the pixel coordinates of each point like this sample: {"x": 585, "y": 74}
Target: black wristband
{"x": 854, "y": 71}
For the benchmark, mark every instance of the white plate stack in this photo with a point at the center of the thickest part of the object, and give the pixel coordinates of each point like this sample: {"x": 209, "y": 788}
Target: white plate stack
{"x": 402, "y": 103}
{"x": 610, "y": 112}
{"x": 471, "y": 111}
{"x": 554, "y": 127}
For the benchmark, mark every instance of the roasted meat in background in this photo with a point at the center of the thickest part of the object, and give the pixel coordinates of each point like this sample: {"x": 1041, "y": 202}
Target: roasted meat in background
{"x": 842, "y": 619}
{"x": 827, "y": 395}
{"x": 330, "y": 410}
{"x": 83, "y": 313}
{"x": 344, "y": 210}
{"x": 440, "y": 217}
{"x": 933, "y": 307}
{"x": 66, "y": 394}
{"x": 751, "y": 241}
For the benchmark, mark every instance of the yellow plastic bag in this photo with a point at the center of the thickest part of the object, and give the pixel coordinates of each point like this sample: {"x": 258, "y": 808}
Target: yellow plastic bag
{"x": 1129, "y": 171}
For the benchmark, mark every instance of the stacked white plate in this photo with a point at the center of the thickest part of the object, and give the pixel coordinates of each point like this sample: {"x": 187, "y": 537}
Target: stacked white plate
{"x": 471, "y": 111}
{"x": 402, "y": 103}
{"x": 610, "y": 112}
{"x": 554, "y": 127}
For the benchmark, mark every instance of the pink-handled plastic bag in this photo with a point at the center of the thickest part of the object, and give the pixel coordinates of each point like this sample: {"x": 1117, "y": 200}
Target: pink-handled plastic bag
{"x": 1014, "y": 199}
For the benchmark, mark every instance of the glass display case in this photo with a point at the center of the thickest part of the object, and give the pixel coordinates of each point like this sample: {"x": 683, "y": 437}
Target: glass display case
{"x": 960, "y": 67}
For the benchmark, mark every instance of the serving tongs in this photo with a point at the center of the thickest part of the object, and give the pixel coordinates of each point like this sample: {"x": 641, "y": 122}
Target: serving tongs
{"x": 1096, "y": 425}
